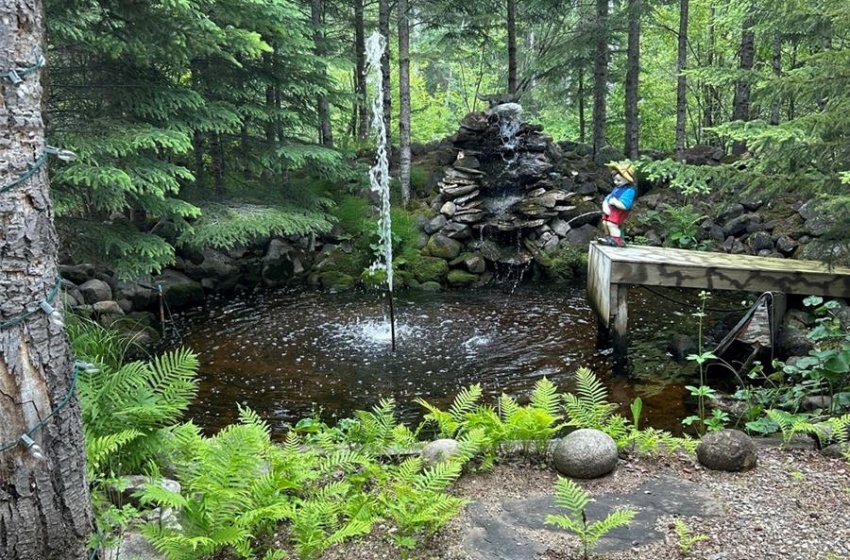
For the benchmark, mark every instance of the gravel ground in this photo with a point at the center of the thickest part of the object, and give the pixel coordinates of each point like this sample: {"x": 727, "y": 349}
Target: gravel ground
{"x": 795, "y": 505}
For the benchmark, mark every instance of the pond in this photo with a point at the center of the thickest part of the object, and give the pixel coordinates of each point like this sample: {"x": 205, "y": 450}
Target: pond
{"x": 292, "y": 354}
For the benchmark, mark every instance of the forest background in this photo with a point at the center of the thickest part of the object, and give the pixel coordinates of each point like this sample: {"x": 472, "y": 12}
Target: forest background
{"x": 184, "y": 111}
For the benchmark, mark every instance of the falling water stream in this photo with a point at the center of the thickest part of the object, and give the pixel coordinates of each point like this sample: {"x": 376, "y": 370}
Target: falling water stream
{"x": 290, "y": 354}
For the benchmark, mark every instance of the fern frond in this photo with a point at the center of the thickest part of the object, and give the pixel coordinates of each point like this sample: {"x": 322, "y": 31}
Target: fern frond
{"x": 465, "y": 402}
{"x": 545, "y": 397}
{"x": 438, "y": 477}
{"x": 616, "y": 518}
{"x": 570, "y": 496}
{"x": 507, "y": 406}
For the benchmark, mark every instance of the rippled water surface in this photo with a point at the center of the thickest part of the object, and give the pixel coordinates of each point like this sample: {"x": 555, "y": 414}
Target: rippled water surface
{"x": 289, "y": 354}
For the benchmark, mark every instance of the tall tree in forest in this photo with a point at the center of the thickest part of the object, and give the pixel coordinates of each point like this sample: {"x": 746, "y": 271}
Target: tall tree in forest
{"x": 317, "y": 17}
{"x": 384, "y": 29}
{"x": 45, "y": 509}
{"x": 361, "y": 111}
{"x": 635, "y": 8}
{"x": 741, "y": 103}
{"x": 512, "y": 56}
{"x": 404, "y": 98}
{"x": 681, "y": 78}
{"x": 600, "y": 76}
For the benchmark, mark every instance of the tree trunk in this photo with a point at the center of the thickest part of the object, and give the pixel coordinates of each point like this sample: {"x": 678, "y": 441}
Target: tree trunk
{"x": 217, "y": 156}
{"x": 632, "y": 80}
{"x": 362, "y": 107}
{"x": 681, "y": 80}
{"x": 582, "y": 120}
{"x": 512, "y": 63}
{"x": 741, "y": 104}
{"x": 45, "y": 509}
{"x": 384, "y": 29}
{"x": 317, "y": 9}
{"x": 777, "y": 71}
{"x": 710, "y": 102}
{"x": 404, "y": 99}
{"x": 600, "y": 76}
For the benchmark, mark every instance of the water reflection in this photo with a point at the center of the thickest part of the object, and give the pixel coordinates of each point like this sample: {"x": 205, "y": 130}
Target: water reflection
{"x": 289, "y": 354}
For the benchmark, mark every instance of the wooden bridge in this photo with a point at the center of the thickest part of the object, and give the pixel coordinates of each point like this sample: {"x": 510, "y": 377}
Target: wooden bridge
{"x": 611, "y": 270}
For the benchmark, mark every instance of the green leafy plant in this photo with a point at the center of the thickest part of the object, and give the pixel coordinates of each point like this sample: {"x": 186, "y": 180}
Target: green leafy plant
{"x": 685, "y": 539}
{"x": 509, "y": 423}
{"x": 718, "y": 419}
{"x": 571, "y": 497}
{"x": 589, "y": 406}
{"x": 679, "y": 226}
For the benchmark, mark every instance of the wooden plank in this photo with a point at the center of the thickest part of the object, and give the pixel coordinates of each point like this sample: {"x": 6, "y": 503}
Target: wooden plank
{"x": 621, "y": 318}
{"x": 598, "y": 284}
{"x": 657, "y": 266}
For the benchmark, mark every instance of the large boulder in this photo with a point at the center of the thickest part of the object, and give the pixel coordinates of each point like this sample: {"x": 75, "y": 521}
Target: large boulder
{"x": 95, "y": 290}
{"x": 440, "y": 450}
{"x": 727, "y": 450}
{"x": 179, "y": 290}
{"x": 443, "y": 247}
{"x": 585, "y": 453}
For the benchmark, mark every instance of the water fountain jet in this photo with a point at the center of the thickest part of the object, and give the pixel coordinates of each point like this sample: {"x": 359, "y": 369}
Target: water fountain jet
{"x": 379, "y": 175}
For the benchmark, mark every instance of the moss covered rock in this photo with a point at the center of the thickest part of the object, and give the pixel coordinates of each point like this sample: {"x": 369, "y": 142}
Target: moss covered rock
{"x": 335, "y": 280}
{"x": 429, "y": 269}
{"x": 457, "y": 277}
{"x": 442, "y": 247}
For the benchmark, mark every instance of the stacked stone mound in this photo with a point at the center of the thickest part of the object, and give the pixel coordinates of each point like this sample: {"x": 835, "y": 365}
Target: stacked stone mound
{"x": 509, "y": 195}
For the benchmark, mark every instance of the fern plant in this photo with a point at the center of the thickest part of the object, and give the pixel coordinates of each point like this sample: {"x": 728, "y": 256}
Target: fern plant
{"x": 415, "y": 497}
{"x": 589, "y": 406}
{"x": 684, "y": 537}
{"x": 452, "y": 421}
{"x": 125, "y": 407}
{"x": 571, "y": 497}
{"x": 792, "y": 424}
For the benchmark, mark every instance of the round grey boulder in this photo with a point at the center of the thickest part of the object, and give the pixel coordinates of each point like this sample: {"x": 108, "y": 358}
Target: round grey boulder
{"x": 439, "y": 450}
{"x": 585, "y": 453}
{"x": 727, "y": 450}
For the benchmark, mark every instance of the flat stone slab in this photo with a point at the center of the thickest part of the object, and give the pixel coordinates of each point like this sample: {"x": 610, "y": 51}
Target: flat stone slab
{"x": 494, "y": 535}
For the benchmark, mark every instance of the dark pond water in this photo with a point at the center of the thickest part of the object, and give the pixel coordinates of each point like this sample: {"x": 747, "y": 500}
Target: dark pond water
{"x": 288, "y": 355}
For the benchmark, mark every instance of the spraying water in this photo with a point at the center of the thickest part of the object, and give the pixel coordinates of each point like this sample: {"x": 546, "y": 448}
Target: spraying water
{"x": 379, "y": 174}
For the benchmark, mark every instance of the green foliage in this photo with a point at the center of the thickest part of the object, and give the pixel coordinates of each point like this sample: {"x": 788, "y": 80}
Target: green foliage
{"x": 824, "y": 372}
{"x": 222, "y": 227}
{"x": 589, "y": 406}
{"x": 686, "y": 540}
{"x": 571, "y": 496}
{"x": 530, "y": 426}
{"x": 127, "y": 406}
{"x": 679, "y": 226}
{"x": 567, "y": 265}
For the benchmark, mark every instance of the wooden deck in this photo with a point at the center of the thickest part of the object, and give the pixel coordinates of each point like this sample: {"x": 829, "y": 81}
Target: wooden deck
{"x": 612, "y": 269}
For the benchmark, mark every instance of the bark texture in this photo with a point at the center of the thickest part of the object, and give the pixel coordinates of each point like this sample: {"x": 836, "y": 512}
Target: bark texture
{"x": 741, "y": 104}
{"x": 512, "y": 62}
{"x": 45, "y": 511}
{"x": 681, "y": 80}
{"x": 632, "y": 79}
{"x": 600, "y": 76}
{"x": 384, "y": 29}
{"x": 317, "y": 15}
{"x": 362, "y": 114}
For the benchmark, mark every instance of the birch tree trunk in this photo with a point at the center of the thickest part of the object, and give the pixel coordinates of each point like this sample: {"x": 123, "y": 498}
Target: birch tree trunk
{"x": 404, "y": 99}
{"x": 45, "y": 510}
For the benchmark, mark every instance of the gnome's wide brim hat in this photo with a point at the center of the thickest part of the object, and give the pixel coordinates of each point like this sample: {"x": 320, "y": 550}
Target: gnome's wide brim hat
{"x": 627, "y": 170}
